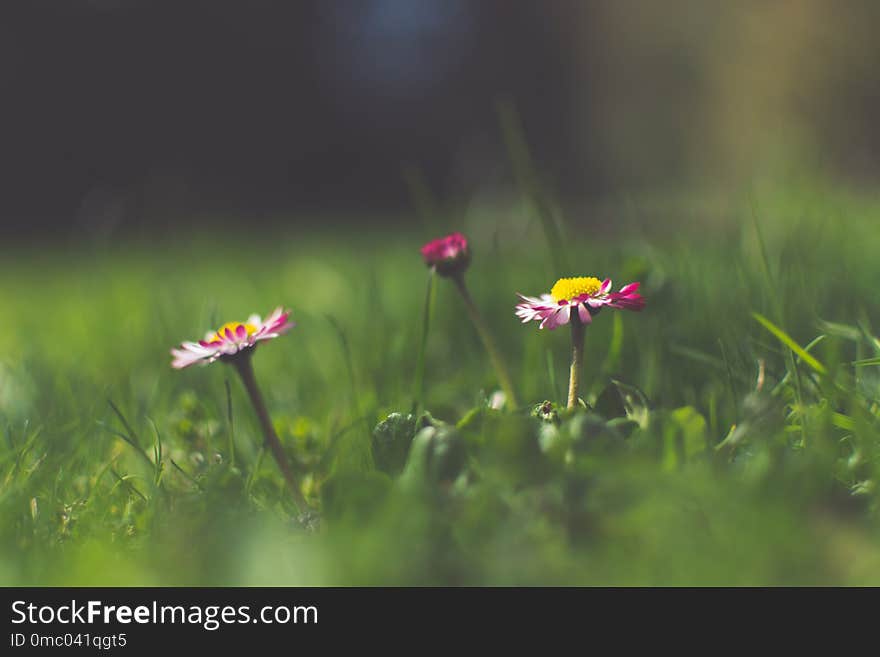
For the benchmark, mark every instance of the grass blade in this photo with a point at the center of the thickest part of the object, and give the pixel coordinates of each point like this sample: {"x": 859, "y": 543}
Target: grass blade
{"x": 786, "y": 339}
{"x": 730, "y": 381}
{"x": 527, "y": 181}
{"x": 349, "y": 365}
{"x": 419, "y": 379}
{"x": 427, "y": 207}
{"x": 187, "y": 475}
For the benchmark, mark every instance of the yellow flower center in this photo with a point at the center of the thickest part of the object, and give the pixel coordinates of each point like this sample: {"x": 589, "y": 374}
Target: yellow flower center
{"x": 233, "y": 326}
{"x": 568, "y": 288}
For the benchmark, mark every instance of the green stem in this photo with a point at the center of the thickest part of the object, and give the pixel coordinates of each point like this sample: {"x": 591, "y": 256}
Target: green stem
{"x": 488, "y": 342}
{"x": 245, "y": 369}
{"x": 419, "y": 382}
{"x": 577, "y": 359}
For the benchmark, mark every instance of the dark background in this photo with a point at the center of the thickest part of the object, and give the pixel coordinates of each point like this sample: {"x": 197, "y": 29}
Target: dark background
{"x": 133, "y": 113}
{"x": 264, "y": 107}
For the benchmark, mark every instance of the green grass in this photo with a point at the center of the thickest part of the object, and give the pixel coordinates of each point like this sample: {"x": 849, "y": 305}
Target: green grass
{"x": 730, "y": 450}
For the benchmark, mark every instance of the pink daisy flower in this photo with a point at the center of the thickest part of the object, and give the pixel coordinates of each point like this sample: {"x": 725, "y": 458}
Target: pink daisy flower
{"x": 448, "y": 255}
{"x": 584, "y": 295}
{"x": 232, "y": 338}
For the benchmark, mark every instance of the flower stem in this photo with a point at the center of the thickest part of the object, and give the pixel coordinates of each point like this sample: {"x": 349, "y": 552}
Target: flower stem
{"x": 419, "y": 382}
{"x": 577, "y": 359}
{"x": 488, "y": 342}
{"x": 245, "y": 369}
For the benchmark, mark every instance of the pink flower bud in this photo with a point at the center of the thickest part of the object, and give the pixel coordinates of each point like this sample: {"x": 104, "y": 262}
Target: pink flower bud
{"x": 448, "y": 255}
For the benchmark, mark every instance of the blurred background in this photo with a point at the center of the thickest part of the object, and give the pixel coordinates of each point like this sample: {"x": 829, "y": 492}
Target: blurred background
{"x": 168, "y": 166}
{"x": 135, "y": 115}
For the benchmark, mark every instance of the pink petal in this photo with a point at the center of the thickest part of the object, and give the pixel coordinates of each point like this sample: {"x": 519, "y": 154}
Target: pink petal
{"x": 559, "y": 317}
{"x": 185, "y": 358}
{"x": 584, "y": 314}
{"x": 629, "y": 300}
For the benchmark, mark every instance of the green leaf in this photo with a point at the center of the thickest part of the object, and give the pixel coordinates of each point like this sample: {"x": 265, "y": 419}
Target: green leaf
{"x": 786, "y": 339}
{"x": 635, "y": 403}
{"x": 438, "y": 454}
{"x": 610, "y": 404}
{"x": 391, "y": 441}
{"x": 842, "y": 421}
{"x": 844, "y": 331}
{"x": 622, "y": 425}
{"x": 615, "y": 348}
{"x": 684, "y": 437}
{"x": 693, "y": 430}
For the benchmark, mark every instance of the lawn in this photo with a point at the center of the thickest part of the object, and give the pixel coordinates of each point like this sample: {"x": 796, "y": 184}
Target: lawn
{"x": 730, "y": 436}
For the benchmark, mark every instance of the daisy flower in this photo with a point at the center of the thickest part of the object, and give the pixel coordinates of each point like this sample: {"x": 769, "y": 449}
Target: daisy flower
{"x": 584, "y": 296}
{"x": 449, "y": 256}
{"x": 231, "y": 339}
{"x": 234, "y": 343}
{"x": 575, "y": 301}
